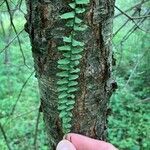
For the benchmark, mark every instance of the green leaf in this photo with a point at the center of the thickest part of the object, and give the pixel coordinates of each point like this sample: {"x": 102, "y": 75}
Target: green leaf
{"x": 66, "y": 120}
{"x": 62, "y": 101}
{"x": 80, "y": 28}
{"x": 65, "y": 131}
{"x": 63, "y": 67}
{"x": 77, "y": 50}
{"x": 62, "y": 88}
{"x": 71, "y": 96}
{"x": 62, "y": 95}
{"x": 64, "y": 48}
{"x": 76, "y": 57}
{"x": 79, "y": 10}
{"x": 78, "y": 20}
{"x": 70, "y": 102}
{"x": 63, "y": 74}
{"x": 77, "y": 43}
{"x": 62, "y": 114}
{"x": 72, "y": 83}
{"x": 82, "y": 1}
{"x": 72, "y": 5}
{"x": 68, "y": 15}
{"x": 64, "y": 61}
{"x": 67, "y": 55}
{"x": 62, "y": 107}
{"x": 75, "y": 63}
{"x": 69, "y": 108}
{"x": 73, "y": 77}
{"x": 75, "y": 70}
{"x": 72, "y": 89}
{"x": 70, "y": 114}
{"x": 62, "y": 81}
{"x": 67, "y": 39}
{"x": 67, "y": 126}
{"x": 70, "y": 23}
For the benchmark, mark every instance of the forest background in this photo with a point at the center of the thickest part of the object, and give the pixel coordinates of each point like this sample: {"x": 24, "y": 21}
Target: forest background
{"x": 22, "y": 127}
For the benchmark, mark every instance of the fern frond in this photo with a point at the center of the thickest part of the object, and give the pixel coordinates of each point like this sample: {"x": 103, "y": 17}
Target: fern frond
{"x": 67, "y": 84}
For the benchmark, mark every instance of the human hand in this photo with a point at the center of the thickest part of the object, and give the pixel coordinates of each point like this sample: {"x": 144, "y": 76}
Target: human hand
{"x": 74, "y": 141}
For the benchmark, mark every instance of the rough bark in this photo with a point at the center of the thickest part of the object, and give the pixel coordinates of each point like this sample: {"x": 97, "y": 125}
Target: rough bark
{"x": 95, "y": 83}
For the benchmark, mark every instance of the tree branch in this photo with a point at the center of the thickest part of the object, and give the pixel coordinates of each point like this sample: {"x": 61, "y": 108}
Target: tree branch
{"x": 36, "y": 130}
{"x": 135, "y": 6}
{"x": 19, "y": 42}
{"x": 130, "y": 18}
{"x": 13, "y": 109}
{"x": 134, "y": 69}
{"x": 11, "y": 41}
{"x": 2, "y": 3}
{"x": 5, "y": 137}
{"x": 133, "y": 29}
{"x": 124, "y": 24}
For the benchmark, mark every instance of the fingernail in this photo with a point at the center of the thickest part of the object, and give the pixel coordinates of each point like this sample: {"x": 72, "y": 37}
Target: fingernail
{"x": 65, "y": 145}
{"x": 62, "y": 146}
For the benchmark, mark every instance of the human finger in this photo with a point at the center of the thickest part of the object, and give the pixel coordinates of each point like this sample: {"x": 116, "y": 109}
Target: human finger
{"x": 85, "y": 143}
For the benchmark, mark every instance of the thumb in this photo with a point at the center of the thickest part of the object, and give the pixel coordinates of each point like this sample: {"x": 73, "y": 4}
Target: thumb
{"x": 65, "y": 145}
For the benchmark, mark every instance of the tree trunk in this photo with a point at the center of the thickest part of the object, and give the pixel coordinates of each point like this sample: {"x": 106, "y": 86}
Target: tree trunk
{"x": 95, "y": 83}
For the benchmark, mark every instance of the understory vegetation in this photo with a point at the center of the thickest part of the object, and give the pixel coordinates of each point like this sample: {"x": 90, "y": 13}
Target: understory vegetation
{"x": 22, "y": 127}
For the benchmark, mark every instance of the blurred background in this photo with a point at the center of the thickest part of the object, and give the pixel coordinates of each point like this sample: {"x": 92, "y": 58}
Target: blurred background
{"x": 21, "y": 126}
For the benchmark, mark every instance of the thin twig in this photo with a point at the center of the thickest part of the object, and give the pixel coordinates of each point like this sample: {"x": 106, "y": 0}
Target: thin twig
{"x": 20, "y": 3}
{"x": 9, "y": 32}
{"x": 121, "y": 56}
{"x": 18, "y": 116}
{"x": 11, "y": 42}
{"x": 18, "y": 6}
{"x": 146, "y": 100}
{"x": 2, "y": 3}
{"x": 130, "y": 18}
{"x": 19, "y": 42}
{"x": 36, "y": 131}
{"x": 133, "y": 70}
{"x": 21, "y": 90}
{"x": 124, "y": 24}
{"x": 135, "y": 6}
{"x": 133, "y": 29}
{"x": 141, "y": 17}
{"x": 24, "y": 114}
{"x": 5, "y": 136}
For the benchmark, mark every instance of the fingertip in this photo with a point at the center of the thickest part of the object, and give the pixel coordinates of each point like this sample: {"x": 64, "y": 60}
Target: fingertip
{"x": 65, "y": 145}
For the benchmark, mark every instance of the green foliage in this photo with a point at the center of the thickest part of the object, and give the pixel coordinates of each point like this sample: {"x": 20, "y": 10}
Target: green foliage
{"x": 71, "y": 52}
{"x": 19, "y": 127}
{"x": 129, "y": 123}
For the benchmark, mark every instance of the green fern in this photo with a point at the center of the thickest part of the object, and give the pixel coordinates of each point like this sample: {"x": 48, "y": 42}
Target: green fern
{"x": 68, "y": 65}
